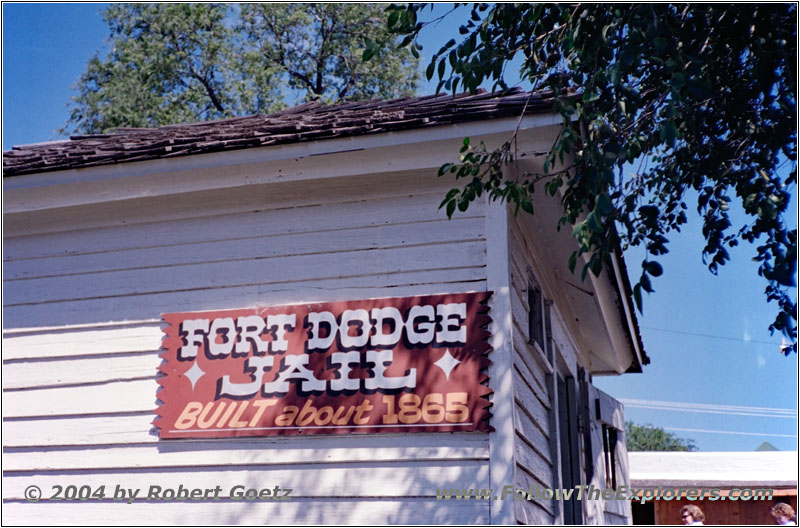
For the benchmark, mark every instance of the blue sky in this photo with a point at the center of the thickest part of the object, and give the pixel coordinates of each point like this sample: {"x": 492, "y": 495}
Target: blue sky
{"x": 707, "y": 336}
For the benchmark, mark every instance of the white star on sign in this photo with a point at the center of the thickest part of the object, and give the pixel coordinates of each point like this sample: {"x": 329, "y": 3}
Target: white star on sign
{"x": 194, "y": 374}
{"x": 447, "y": 363}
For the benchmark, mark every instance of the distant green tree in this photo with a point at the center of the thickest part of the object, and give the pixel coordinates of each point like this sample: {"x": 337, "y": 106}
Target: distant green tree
{"x": 176, "y": 63}
{"x": 319, "y": 48}
{"x": 651, "y": 438}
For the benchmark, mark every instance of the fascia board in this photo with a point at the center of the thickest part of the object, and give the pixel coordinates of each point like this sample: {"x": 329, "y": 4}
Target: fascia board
{"x": 392, "y": 151}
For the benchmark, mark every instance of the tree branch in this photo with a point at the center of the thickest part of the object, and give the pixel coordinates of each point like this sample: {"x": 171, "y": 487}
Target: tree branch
{"x": 209, "y": 89}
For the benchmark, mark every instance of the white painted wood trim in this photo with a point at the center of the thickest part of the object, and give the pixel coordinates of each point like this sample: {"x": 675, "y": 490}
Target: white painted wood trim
{"x": 626, "y": 304}
{"x": 501, "y": 440}
{"x": 607, "y": 300}
{"x": 282, "y": 152}
{"x": 381, "y": 154}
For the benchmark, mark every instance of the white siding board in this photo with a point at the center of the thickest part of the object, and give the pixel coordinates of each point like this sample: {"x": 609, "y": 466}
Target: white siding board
{"x": 527, "y": 355}
{"x": 526, "y": 373}
{"x": 205, "y": 227}
{"x": 533, "y": 433}
{"x": 60, "y": 216}
{"x": 394, "y": 511}
{"x": 269, "y": 450}
{"x": 240, "y": 273}
{"x": 531, "y": 515}
{"x": 134, "y": 307}
{"x": 113, "y": 397}
{"x": 524, "y": 478}
{"x": 521, "y": 268}
{"x": 528, "y": 405}
{"x": 255, "y": 247}
{"x": 81, "y": 342}
{"x": 520, "y": 309}
{"x": 613, "y": 518}
{"x": 137, "y": 429}
{"x": 38, "y": 374}
{"x": 535, "y": 464}
{"x": 419, "y": 478}
{"x": 564, "y": 342}
{"x": 79, "y": 430}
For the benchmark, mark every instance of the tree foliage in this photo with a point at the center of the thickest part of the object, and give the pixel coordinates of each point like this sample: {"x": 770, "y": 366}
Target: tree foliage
{"x": 176, "y": 63}
{"x": 320, "y": 47}
{"x": 661, "y": 104}
{"x": 651, "y": 438}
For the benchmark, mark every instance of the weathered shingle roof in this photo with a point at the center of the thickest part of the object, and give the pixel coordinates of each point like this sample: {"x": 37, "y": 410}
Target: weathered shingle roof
{"x": 312, "y": 121}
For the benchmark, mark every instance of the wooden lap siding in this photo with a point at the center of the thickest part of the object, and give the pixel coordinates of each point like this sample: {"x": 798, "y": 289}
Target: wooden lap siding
{"x": 532, "y": 399}
{"x": 537, "y": 446}
{"x": 83, "y": 295}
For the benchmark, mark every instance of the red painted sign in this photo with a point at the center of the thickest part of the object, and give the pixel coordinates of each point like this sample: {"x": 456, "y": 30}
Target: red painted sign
{"x": 375, "y": 366}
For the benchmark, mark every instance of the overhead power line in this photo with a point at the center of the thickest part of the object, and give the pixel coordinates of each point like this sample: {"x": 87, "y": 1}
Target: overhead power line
{"x": 712, "y": 336}
{"x": 743, "y": 433}
{"x": 707, "y": 408}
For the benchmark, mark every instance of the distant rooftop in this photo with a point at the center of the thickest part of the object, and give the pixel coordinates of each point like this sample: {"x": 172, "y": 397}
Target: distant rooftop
{"x": 766, "y": 446}
{"x": 716, "y": 469}
{"x": 309, "y": 122}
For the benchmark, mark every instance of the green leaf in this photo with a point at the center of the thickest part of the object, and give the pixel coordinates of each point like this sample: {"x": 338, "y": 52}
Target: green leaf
{"x": 593, "y": 224}
{"x": 573, "y": 259}
{"x": 637, "y": 296}
{"x": 645, "y": 282}
{"x": 589, "y": 97}
{"x": 653, "y": 268}
{"x": 628, "y": 56}
{"x": 603, "y": 205}
{"x": 597, "y": 264}
{"x": 648, "y": 211}
{"x": 450, "y": 44}
{"x": 614, "y": 74}
{"x": 452, "y": 193}
{"x": 393, "y": 17}
{"x": 699, "y": 88}
{"x": 451, "y": 207}
{"x": 527, "y": 206}
{"x": 668, "y": 132}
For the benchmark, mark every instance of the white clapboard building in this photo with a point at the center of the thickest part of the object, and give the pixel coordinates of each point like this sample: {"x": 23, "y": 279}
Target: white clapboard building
{"x": 102, "y": 234}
